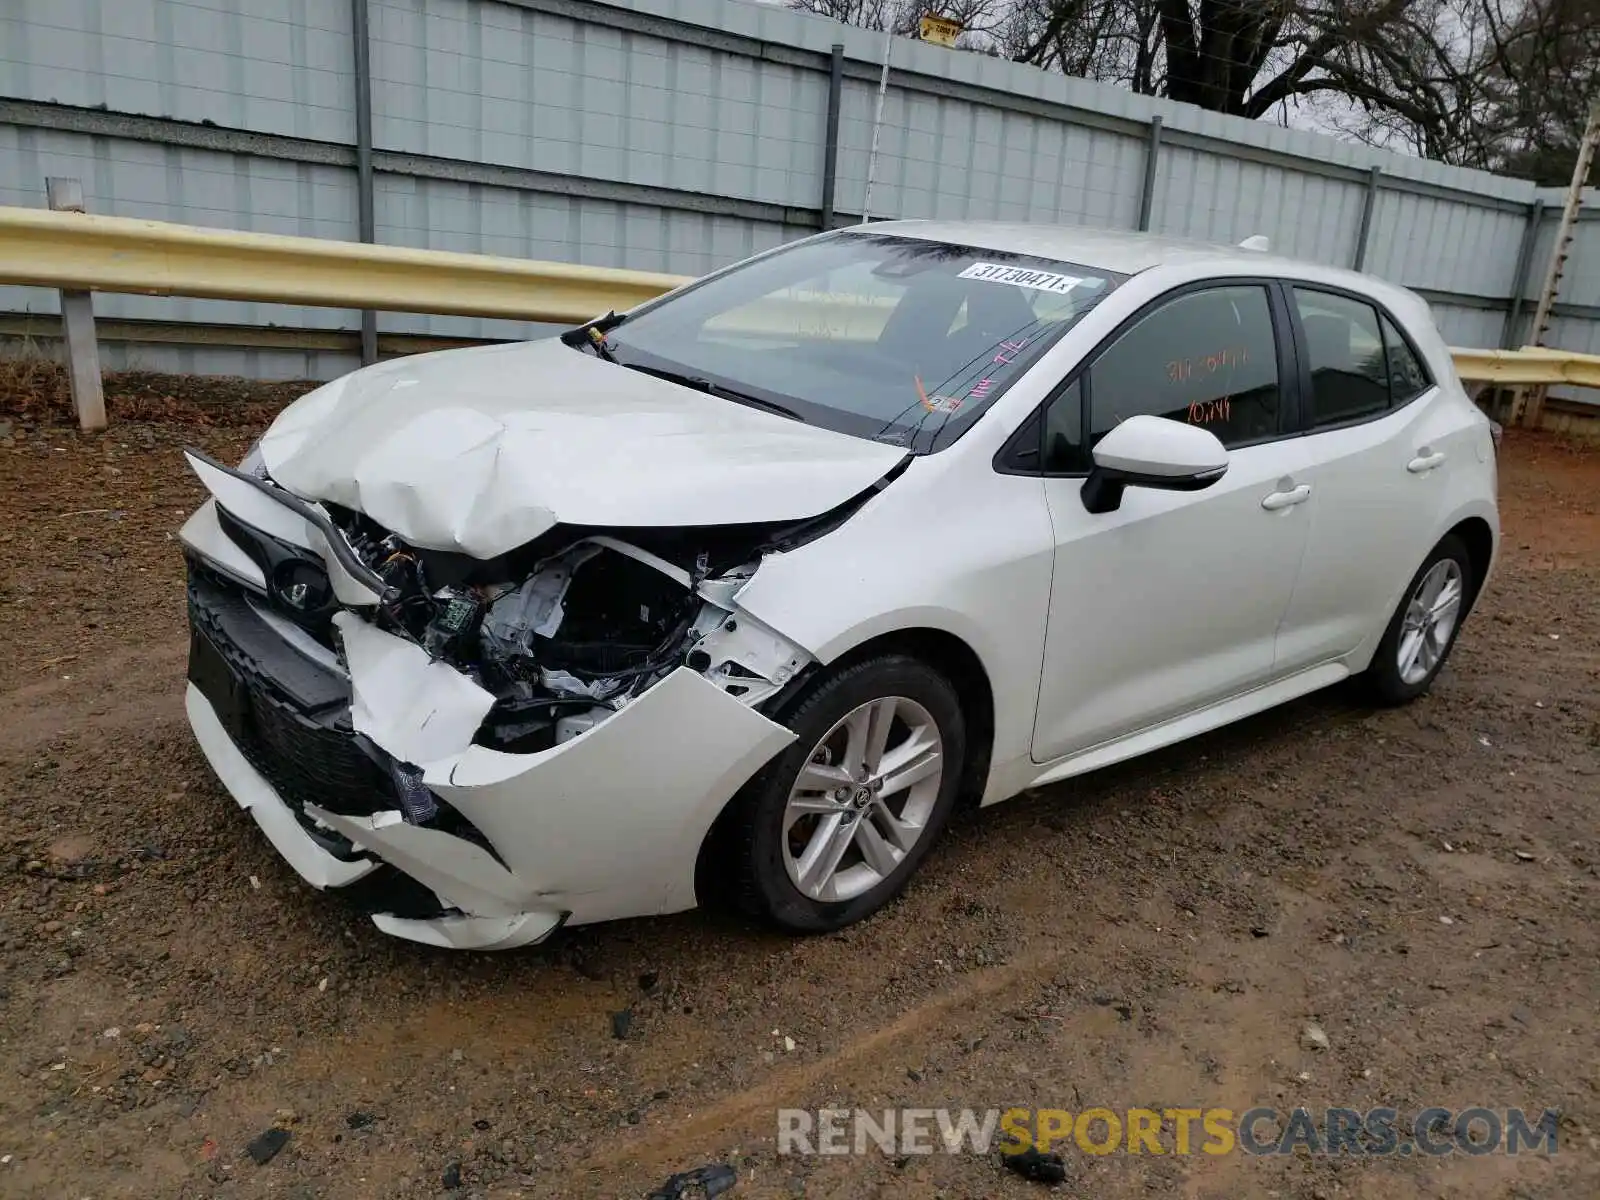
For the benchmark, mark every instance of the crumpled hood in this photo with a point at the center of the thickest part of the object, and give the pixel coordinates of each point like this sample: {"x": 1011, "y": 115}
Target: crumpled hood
{"x": 482, "y": 450}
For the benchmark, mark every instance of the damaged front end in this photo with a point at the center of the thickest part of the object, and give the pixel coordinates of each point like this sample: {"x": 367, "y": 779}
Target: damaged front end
{"x": 565, "y": 632}
{"x": 478, "y": 750}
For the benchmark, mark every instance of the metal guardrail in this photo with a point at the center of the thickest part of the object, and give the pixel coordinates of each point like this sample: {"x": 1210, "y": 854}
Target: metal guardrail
{"x": 77, "y": 252}
{"x": 74, "y": 250}
{"x": 1532, "y": 365}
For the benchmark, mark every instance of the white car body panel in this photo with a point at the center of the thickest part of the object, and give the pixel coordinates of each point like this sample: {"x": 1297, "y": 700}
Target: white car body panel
{"x": 834, "y": 594}
{"x": 1100, "y": 635}
{"x": 1169, "y": 604}
{"x": 419, "y": 709}
{"x": 1372, "y": 524}
{"x": 457, "y": 871}
{"x": 1387, "y": 490}
{"x": 471, "y": 933}
{"x": 609, "y": 824}
{"x": 479, "y": 451}
{"x": 1192, "y": 724}
{"x": 203, "y": 534}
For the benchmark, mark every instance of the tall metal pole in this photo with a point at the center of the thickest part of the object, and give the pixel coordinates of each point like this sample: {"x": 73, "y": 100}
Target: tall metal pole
{"x": 367, "y": 226}
{"x": 877, "y": 116}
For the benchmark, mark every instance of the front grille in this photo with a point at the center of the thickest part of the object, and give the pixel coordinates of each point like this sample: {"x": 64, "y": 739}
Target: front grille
{"x": 288, "y": 715}
{"x": 290, "y": 718}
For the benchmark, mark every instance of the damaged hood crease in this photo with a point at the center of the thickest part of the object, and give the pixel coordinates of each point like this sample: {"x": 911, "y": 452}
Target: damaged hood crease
{"x": 481, "y": 451}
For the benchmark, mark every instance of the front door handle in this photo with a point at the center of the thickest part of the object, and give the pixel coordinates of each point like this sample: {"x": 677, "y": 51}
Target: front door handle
{"x": 1293, "y": 496}
{"x": 1425, "y": 462}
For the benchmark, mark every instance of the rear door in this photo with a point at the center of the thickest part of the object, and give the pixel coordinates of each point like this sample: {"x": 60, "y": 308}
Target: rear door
{"x": 1380, "y": 436}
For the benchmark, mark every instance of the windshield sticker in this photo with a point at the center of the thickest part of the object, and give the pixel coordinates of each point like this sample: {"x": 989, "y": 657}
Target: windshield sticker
{"x": 1039, "y": 281}
{"x": 936, "y": 403}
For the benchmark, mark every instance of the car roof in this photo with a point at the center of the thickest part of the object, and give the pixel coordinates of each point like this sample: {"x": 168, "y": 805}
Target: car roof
{"x": 1124, "y": 252}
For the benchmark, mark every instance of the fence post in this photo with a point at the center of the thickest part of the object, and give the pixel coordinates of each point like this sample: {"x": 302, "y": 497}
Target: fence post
{"x": 77, "y": 324}
{"x": 830, "y": 145}
{"x": 1519, "y": 286}
{"x": 1369, "y": 203}
{"x": 365, "y": 220}
{"x": 1152, "y": 161}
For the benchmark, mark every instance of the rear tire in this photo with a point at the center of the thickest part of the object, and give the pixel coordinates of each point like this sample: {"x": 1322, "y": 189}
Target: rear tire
{"x": 1425, "y": 626}
{"x": 833, "y": 828}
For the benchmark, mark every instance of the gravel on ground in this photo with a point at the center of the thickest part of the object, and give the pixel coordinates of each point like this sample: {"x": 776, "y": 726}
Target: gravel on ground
{"x": 1324, "y": 905}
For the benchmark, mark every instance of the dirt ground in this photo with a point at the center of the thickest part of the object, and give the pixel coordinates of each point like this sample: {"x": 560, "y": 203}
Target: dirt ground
{"x": 1421, "y": 883}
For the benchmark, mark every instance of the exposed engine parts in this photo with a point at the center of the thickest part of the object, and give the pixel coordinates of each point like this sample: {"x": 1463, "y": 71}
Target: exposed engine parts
{"x": 564, "y": 635}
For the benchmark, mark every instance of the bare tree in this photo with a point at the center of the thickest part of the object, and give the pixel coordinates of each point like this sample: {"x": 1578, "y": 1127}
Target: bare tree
{"x": 1543, "y": 74}
{"x": 1491, "y": 83}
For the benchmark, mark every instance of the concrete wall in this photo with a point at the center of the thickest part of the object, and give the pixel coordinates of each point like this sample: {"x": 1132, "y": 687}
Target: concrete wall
{"x": 672, "y": 135}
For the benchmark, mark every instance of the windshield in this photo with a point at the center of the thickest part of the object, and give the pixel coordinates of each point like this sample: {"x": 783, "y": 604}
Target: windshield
{"x": 897, "y": 339}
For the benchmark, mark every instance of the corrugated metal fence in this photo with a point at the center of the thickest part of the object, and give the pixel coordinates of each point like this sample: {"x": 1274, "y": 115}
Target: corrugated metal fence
{"x": 670, "y": 135}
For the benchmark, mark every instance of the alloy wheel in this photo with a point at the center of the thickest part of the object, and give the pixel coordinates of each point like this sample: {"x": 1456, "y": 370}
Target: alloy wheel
{"x": 863, "y": 799}
{"x": 1430, "y": 620}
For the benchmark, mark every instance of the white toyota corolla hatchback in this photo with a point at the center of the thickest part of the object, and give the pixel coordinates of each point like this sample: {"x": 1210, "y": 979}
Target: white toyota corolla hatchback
{"x": 743, "y": 591}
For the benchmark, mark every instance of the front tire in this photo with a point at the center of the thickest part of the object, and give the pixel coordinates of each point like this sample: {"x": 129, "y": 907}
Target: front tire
{"x": 1424, "y": 628}
{"x": 832, "y": 829}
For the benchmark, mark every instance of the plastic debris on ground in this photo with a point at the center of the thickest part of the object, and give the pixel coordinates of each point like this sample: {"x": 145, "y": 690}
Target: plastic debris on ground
{"x": 265, "y": 1148}
{"x": 707, "y": 1181}
{"x": 1036, "y": 1167}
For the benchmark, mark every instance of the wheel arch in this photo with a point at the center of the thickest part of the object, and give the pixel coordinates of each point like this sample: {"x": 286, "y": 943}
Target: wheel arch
{"x": 1477, "y": 527}
{"x": 945, "y": 652}
{"x": 1476, "y": 534}
{"x": 958, "y": 662}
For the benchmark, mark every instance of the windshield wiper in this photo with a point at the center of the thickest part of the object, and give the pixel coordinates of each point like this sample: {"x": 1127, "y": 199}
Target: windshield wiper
{"x": 701, "y": 384}
{"x": 593, "y": 334}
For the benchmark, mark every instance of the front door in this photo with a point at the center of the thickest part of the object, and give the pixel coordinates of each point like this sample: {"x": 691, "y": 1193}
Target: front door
{"x": 1172, "y": 602}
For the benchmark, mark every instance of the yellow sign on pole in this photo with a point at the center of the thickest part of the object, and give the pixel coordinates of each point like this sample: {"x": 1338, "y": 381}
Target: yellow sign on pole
{"x": 941, "y": 31}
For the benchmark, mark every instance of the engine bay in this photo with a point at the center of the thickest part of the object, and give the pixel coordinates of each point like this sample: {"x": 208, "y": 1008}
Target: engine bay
{"x": 566, "y": 631}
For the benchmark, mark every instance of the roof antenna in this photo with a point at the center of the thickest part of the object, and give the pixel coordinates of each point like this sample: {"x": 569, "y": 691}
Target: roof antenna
{"x": 1258, "y": 242}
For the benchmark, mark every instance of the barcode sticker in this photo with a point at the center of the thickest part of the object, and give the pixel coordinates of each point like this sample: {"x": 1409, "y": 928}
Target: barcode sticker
{"x": 1039, "y": 281}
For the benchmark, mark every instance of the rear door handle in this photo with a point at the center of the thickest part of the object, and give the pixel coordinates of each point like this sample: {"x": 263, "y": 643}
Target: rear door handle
{"x": 1425, "y": 462}
{"x": 1293, "y": 496}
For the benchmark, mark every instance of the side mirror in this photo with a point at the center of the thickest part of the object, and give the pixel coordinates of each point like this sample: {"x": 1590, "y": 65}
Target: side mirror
{"x": 1152, "y": 452}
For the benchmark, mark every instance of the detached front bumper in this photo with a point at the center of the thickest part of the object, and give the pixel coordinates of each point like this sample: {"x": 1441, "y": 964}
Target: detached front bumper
{"x": 320, "y": 868}
{"x": 607, "y": 824}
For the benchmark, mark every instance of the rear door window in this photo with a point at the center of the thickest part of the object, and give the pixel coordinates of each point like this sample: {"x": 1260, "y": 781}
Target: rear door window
{"x": 1349, "y": 365}
{"x": 1408, "y": 378}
